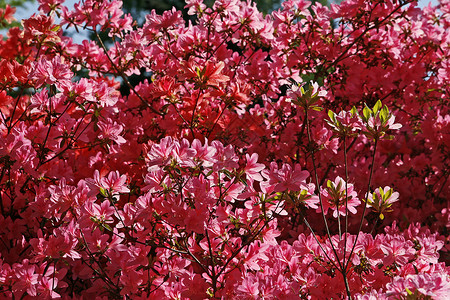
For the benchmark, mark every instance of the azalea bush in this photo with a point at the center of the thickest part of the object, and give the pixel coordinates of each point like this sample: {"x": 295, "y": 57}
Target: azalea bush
{"x": 299, "y": 155}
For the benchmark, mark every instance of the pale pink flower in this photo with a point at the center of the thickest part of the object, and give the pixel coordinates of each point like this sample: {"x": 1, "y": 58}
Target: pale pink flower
{"x": 111, "y": 185}
{"x": 194, "y": 6}
{"x": 381, "y": 200}
{"x": 52, "y": 72}
{"x": 339, "y": 197}
{"x": 111, "y": 130}
{"x": 252, "y": 168}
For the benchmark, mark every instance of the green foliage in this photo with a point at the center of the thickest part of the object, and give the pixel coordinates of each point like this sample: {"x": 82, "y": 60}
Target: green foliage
{"x": 12, "y": 3}
{"x": 15, "y": 3}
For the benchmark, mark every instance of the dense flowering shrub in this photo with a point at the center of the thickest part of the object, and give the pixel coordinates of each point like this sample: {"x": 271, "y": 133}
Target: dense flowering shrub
{"x": 298, "y": 155}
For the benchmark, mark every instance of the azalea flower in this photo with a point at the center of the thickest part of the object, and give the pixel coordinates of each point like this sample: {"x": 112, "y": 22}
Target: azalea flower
{"x": 381, "y": 200}
{"x": 340, "y": 197}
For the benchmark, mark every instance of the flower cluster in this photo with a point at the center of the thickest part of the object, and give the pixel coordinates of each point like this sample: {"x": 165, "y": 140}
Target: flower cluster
{"x": 225, "y": 172}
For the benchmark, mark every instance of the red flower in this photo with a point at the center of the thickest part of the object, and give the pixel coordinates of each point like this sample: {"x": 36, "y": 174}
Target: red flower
{"x": 7, "y": 13}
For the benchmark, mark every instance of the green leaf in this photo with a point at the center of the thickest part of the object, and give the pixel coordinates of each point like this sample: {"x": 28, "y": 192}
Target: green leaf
{"x": 367, "y": 112}
{"x": 103, "y": 192}
{"x": 107, "y": 227}
{"x": 228, "y": 173}
{"x": 381, "y": 192}
{"x": 377, "y": 107}
{"x": 339, "y": 187}
{"x": 384, "y": 114}
{"x": 244, "y": 181}
{"x": 332, "y": 116}
{"x": 329, "y": 184}
{"x": 388, "y": 194}
{"x": 177, "y": 170}
{"x": 209, "y": 173}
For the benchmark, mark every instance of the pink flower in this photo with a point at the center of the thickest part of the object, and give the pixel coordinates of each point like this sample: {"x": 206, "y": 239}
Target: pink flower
{"x": 375, "y": 122}
{"x": 397, "y": 250}
{"x": 381, "y": 200}
{"x": 284, "y": 179}
{"x": 7, "y": 13}
{"x": 249, "y": 287}
{"x": 208, "y": 75}
{"x": 115, "y": 183}
{"x": 40, "y": 28}
{"x": 110, "y": 131}
{"x": 324, "y": 139}
{"x": 47, "y": 288}
{"x": 52, "y": 72}
{"x": 222, "y": 216}
{"x": 346, "y": 123}
{"x": 335, "y": 196}
{"x": 83, "y": 89}
{"x": 308, "y": 197}
{"x": 224, "y": 157}
{"x": 46, "y": 6}
{"x": 195, "y": 6}
{"x": 435, "y": 286}
{"x": 108, "y": 186}
{"x": 160, "y": 154}
{"x": 306, "y": 98}
{"x": 106, "y": 95}
{"x": 27, "y": 278}
{"x": 101, "y": 213}
{"x": 252, "y": 168}
{"x": 204, "y": 153}
{"x": 184, "y": 154}
{"x": 378, "y": 120}
{"x": 5, "y": 101}
{"x": 169, "y": 19}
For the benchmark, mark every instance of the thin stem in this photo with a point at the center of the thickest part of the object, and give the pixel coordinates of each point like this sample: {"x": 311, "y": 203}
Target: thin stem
{"x": 200, "y": 92}
{"x": 308, "y": 131}
{"x": 442, "y": 186}
{"x": 346, "y": 196}
{"x": 317, "y": 240}
{"x": 216, "y": 121}
{"x": 367, "y": 29}
{"x": 106, "y": 279}
{"x": 347, "y": 287}
{"x": 183, "y": 119}
{"x": 54, "y": 272}
{"x": 339, "y": 222}
{"x": 374, "y": 226}
{"x": 125, "y": 79}
{"x": 365, "y": 206}
{"x": 238, "y": 251}
{"x": 213, "y": 264}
